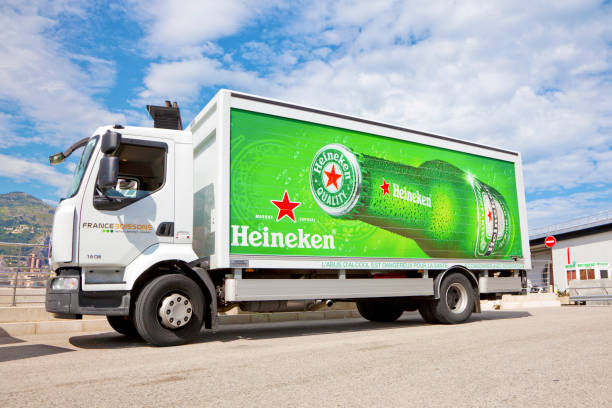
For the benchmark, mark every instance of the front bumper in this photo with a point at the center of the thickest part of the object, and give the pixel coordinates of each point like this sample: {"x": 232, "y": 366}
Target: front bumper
{"x": 77, "y": 302}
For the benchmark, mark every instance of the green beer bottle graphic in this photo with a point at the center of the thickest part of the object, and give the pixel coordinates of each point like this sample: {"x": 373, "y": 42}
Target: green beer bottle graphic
{"x": 449, "y": 213}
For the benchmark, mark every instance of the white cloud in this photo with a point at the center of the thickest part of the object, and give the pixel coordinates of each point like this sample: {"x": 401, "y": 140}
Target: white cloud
{"x": 71, "y": 166}
{"x": 187, "y": 27}
{"x": 545, "y": 211}
{"x": 27, "y": 170}
{"x": 265, "y": 56}
{"x": 8, "y": 133}
{"x": 184, "y": 79}
{"x": 182, "y": 34}
{"x": 569, "y": 170}
{"x": 43, "y": 82}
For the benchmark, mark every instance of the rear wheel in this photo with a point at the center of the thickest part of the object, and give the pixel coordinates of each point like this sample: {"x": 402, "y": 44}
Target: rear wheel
{"x": 426, "y": 312}
{"x": 170, "y": 311}
{"x": 456, "y": 301}
{"x": 123, "y": 325}
{"x": 379, "y": 311}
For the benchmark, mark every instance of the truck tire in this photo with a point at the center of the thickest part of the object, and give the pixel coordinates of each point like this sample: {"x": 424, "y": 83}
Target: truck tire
{"x": 379, "y": 311}
{"x": 426, "y": 312}
{"x": 456, "y": 301}
{"x": 123, "y": 325}
{"x": 169, "y": 311}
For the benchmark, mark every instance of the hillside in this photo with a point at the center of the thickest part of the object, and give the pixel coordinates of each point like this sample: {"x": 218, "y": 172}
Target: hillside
{"x": 24, "y": 218}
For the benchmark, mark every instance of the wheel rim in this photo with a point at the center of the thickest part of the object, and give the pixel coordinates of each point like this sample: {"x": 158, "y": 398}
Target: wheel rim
{"x": 456, "y": 298}
{"x": 175, "y": 311}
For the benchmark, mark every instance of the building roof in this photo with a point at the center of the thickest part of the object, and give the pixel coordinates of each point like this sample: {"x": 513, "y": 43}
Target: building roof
{"x": 600, "y": 222}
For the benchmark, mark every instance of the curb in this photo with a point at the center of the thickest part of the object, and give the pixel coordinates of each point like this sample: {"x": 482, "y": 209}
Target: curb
{"x": 532, "y": 300}
{"x": 89, "y": 325}
{"x": 29, "y": 313}
{"x": 52, "y": 326}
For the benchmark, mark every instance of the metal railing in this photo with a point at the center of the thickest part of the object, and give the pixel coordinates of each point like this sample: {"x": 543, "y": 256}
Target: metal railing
{"x": 577, "y": 222}
{"x": 23, "y": 273}
{"x": 591, "y": 290}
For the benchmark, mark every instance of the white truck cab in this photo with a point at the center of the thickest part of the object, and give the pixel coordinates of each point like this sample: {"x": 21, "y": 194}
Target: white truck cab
{"x": 134, "y": 220}
{"x": 143, "y": 237}
{"x": 105, "y": 237}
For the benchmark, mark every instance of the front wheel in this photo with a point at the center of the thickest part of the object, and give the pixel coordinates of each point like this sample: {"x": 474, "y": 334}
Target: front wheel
{"x": 169, "y": 311}
{"x": 123, "y": 325}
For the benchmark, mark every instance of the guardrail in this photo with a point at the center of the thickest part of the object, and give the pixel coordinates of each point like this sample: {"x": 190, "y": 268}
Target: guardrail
{"x": 23, "y": 277}
{"x": 590, "y": 290}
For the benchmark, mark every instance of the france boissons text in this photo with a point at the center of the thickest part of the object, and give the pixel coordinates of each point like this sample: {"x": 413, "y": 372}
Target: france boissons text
{"x": 241, "y": 236}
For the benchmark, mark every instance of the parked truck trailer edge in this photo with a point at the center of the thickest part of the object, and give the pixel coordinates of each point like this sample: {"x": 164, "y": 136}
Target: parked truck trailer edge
{"x": 275, "y": 207}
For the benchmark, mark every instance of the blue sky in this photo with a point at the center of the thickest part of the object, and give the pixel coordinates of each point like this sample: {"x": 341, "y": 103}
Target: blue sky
{"x": 535, "y": 78}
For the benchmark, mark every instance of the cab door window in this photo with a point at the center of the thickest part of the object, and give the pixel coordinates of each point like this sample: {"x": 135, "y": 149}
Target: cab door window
{"x": 142, "y": 169}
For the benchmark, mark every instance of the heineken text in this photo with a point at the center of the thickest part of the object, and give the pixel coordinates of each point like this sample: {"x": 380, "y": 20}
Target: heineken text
{"x": 242, "y": 237}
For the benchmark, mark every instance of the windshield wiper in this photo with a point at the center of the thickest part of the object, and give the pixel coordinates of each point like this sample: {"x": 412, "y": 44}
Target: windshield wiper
{"x": 57, "y": 158}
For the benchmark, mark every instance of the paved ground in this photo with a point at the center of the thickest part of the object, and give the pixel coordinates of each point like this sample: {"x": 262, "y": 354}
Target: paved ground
{"x": 542, "y": 357}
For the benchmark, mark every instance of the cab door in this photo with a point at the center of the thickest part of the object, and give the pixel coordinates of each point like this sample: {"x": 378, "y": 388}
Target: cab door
{"x": 115, "y": 227}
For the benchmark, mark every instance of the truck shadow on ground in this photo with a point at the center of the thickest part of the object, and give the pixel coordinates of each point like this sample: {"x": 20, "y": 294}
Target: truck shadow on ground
{"x": 5, "y": 338}
{"x": 260, "y": 331}
{"x": 20, "y": 352}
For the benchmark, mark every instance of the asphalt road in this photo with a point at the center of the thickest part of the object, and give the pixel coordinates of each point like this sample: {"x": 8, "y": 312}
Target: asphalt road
{"x": 541, "y": 357}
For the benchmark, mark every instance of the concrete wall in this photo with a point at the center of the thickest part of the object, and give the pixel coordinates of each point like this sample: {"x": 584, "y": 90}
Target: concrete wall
{"x": 587, "y": 249}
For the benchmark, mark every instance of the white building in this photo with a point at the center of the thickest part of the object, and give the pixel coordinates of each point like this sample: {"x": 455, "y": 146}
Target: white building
{"x": 583, "y": 251}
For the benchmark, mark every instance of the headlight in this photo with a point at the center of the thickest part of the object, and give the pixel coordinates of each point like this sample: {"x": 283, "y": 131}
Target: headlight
{"x": 62, "y": 283}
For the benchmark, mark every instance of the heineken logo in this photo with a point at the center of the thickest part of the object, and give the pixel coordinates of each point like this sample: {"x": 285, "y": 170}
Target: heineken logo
{"x": 242, "y": 236}
{"x": 335, "y": 179}
{"x": 413, "y": 196}
{"x": 404, "y": 193}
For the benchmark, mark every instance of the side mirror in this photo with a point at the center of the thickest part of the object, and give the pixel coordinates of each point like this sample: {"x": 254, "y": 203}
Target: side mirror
{"x": 110, "y": 142}
{"x": 108, "y": 173}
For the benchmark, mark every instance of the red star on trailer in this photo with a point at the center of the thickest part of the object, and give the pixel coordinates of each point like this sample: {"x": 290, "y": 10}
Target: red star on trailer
{"x": 489, "y": 215}
{"x": 385, "y": 187}
{"x": 285, "y": 207}
{"x": 332, "y": 177}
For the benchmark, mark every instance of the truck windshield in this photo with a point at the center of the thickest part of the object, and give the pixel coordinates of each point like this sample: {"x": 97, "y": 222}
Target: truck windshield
{"x": 80, "y": 169}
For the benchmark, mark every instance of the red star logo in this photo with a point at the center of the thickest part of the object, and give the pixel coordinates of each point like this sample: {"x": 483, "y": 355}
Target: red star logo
{"x": 385, "y": 187}
{"x": 332, "y": 177}
{"x": 489, "y": 215}
{"x": 285, "y": 207}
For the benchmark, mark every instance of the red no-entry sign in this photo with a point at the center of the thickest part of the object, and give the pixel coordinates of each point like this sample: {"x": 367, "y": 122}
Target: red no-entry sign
{"x": 550, "y": 241}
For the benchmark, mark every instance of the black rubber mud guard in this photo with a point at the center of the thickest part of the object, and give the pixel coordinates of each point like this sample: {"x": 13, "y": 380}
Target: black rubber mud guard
{"x": 210, "y": 320}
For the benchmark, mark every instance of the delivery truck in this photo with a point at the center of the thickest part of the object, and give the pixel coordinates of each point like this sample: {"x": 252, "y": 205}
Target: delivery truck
{"x": 275, "y": 206}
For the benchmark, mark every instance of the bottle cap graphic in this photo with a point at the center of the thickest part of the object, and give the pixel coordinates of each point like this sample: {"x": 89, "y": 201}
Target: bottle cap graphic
{"x": 335, "y": 179}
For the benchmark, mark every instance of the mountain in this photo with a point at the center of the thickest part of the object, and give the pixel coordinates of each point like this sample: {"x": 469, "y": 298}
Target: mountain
{"x": 24, "y": 219}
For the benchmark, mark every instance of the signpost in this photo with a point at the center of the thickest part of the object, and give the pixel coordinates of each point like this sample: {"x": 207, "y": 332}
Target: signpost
{"x": 550, "y": 241}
